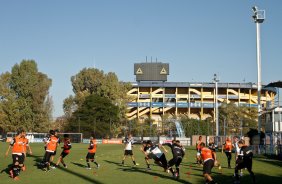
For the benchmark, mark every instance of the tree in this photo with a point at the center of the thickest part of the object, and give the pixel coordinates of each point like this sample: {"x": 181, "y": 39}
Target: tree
{"x": 96, "y": 115}
{"x": 237, "y": 118}
{"x": 25, "y": 100}
{"x": 90, "y": 81}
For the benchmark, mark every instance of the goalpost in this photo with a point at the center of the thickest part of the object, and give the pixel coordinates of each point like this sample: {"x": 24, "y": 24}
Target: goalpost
{"x": 74, "y": 137}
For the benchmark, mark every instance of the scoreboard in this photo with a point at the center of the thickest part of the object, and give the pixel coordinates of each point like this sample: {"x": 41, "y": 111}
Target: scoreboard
{"x": 151, "y": 71}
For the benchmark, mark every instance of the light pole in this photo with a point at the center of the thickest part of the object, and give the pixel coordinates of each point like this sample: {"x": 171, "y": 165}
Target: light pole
{"x": 216, "y": 80}
{"x": 259, "y": 16}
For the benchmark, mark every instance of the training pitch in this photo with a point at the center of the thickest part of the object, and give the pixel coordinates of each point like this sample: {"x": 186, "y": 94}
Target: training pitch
{"x": 111, "y": 170}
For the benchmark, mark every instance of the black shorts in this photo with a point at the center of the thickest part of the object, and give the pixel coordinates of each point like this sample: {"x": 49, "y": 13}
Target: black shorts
{"x": 128, "y": 152}
{"x": 64, "y": 154}
{"x": 242, "y": 164}
{"x": 47, "y": 156}
{"x": 18, "y": 158}
{"x": 176, "y": 160}
{"x": 208, "y": 165}
{"x": 90, "y": 156}
{"x": 162, "y": 160}
{"x": 54, "y": 153}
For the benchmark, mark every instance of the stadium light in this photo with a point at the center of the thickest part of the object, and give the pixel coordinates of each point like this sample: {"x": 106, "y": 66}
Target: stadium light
{"x": 259, "y": 16}
{"x": 216, "y": 80}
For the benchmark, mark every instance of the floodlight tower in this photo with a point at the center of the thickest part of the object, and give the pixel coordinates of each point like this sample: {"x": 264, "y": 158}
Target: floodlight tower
{"x": 216, "y": 80}
{"x": 259, "y": 16}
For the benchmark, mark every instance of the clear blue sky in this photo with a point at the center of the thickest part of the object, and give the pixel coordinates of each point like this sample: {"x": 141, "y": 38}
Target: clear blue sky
{"x": 198, "y": 38}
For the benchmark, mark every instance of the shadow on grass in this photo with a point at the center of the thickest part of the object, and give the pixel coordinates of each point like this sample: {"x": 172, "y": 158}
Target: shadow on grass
{"x": 79, "y": 164}
{"x": 270, "y": 161}
{"x": 83, "y": 177}
{"x": 141, "y": 170}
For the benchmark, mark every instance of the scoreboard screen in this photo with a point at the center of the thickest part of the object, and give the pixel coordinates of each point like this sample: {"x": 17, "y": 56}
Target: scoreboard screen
{"x": 151, "y": 71}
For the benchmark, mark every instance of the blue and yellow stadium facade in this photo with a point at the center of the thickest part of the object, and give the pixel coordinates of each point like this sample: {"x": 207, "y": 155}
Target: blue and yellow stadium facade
{"x": 196, "y": 100}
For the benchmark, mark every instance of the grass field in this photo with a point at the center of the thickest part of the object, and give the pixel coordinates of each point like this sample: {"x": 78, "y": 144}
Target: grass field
{"x": 109, "y": 156}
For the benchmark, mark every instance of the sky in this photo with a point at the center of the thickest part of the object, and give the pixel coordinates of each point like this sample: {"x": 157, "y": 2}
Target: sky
{"x": 197, "y": 38}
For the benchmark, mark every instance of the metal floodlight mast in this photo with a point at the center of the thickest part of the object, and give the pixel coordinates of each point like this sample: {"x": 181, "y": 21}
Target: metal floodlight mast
{"x": 215, "y": 79}
{"x": 259, "y": 16}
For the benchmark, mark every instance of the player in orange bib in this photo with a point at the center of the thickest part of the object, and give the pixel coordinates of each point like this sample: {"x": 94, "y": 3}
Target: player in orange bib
{"x": 51, "y": 147}
{"x": 228, "y": 150}
{"x": 208, "y": 159}
{"x": 91, "y": 153}
{"x": 17, "y": 154}
{"x": 198, "y": 148}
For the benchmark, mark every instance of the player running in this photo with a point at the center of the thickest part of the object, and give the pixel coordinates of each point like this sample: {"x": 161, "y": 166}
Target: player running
{"x": 198, "y": 148}
{"x": 237, "y": 152}
{"x": 144, "y": 149}
{"x": 52, "y": 144}
{"x": 66, "y": 150}
{"x": 91, "y": 153}
{"x": 208, "y": 159}
{"x": 128, "y": 149}
{"x": 228, "y": 150}
{"x": 178, "y": 154}
{"x": 245, "y": 160}
{"x": 212, "y": 148}
{"x": 155, "y": 153}
{"x": 17, "y": 145}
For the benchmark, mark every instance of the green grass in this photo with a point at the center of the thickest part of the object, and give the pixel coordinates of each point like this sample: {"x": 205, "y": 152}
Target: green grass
{"x": 110, "y": 172}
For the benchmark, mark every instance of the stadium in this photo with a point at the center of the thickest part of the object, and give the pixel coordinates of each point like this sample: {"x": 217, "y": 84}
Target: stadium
{"x": 153, "y": 97}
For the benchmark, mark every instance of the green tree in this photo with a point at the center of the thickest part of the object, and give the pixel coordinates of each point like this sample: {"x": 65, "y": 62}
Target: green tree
{"x": 94, "y": 81}
{"x": 25, "y": 100}
{"x": 96, "y": 115}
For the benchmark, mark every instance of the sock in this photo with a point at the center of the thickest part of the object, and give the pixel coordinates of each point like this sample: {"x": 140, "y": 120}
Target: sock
{"x": 177, "y": 170}
{"x": 96, "y": 164}
{"x": 88, "y": 164}
{"x": 148, "y": 165}
{"x": 122, "y": 162}
{"x": 171, "y": 170}
{"x": 134, "y": 162}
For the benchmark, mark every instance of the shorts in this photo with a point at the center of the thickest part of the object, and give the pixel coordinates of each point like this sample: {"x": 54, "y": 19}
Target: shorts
{"x": 90, "y": 156}
{"x": 18, "y": 158}
{"x": 128, "y": 152}
{"x": 208, "y": 165}
{"x": 64, "y": 154}
{"x": 54, "y": 153}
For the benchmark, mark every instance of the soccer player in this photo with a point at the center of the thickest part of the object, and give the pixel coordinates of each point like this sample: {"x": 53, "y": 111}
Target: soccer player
{"x": 25, "y": 146}
{"x": 91, "y": 153}
{"x": 17, "y": 145}
{"x": 212, "y": 148}
{"x": 245, "y": 160}
{"x": 178, "y": 154}
{"x": 237, "y": 152}
{"x": 55, "y": 152}
{"x": 154, "y": 152}
{"x": 52, "y": 144}
{"x": 207, "y": 156}
{"x": 228, "y": 150}
{"x": 128, "y": 149}
{"x": 144, "y": 149}
{"x": 198, "y": 156}
{"x": 66, "y": 150}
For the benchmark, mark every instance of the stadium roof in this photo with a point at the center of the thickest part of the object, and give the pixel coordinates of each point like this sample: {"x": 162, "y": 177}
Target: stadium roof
{"x": 277, "y": 84}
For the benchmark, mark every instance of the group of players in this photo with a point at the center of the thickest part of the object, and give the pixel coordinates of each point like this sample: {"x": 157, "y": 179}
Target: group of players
{"x": 206, "y": 155}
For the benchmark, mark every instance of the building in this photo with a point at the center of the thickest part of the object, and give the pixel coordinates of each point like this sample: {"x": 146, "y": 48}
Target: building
{"x": 155, "y": 98}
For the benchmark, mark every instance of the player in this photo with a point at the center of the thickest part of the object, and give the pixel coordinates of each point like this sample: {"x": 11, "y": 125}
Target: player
{"x": 144, "y": 149}
{"x": 198, "y": 156}
{"x": 228, "y": 150}
{"x": 212, "y": 148}
{"x": 237, "y": 152}
{"x": 52, "y": 165}
{"x": 66, "y": 150}
{"x": 207, "y": 157}
{"x": 178, "y": 154}
{"x": 25, "y": 146}
{"x": 91, "y": 153}
{"x": 52, "y": 144}
{"x": 17, "y": 145}
{"x": 245, "y": 160}
{"x": 128, "y": 149}
{"x": 154, "y": 152}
